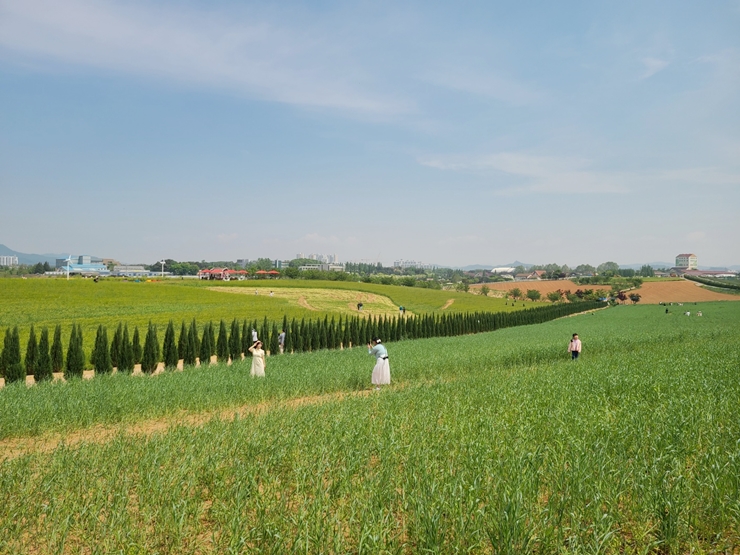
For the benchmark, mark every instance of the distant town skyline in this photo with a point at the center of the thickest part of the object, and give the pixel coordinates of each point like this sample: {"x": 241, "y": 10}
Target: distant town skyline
{"x": 450, "y": 134}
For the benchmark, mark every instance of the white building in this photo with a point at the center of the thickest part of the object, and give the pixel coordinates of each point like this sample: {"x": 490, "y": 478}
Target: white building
{"x": 687, "y": 261}
{"x": 403, "y": 264}
{"x": 8, "y": 261}
{"x": 130, "y": 271}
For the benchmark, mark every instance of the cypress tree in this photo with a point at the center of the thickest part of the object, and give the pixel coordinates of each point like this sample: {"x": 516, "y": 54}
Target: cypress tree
{"x": 315, "y": 338}
{"x": 211, "y": 339}
{"x": 322, "y": 333}
{"x": 274, "y": 340}
{"x": 127, "y": 353}
{"x": 299, "y": 341}
{"x": 245, "y": 338}
{"x": 222, "y": 344}
{"x": 235, "y": 343}
{"x": 150, "y": 356}
{"x": 94, "y": 355}
{"x": 182, "y": 341}
{"x": 169, "y": 348}
{"x": 136, "y": 346}
{"x": 4, "y": 352}
{"x": 196, "y": 345}
{"x": 75, "y": 355}
{"x": 43, "y": 368}
{"x": 264, "y": 333}
{"x": 102, "y": 362}
{"x": 289, "y": 333}
{"x": 15, "y": 371}
{"x": 32, "y": 353}
{"x": 115, "y": 347}
{"x": 190, "y": 352}
{"x": 205, "y": 345}
{"x": 57, "y": 354}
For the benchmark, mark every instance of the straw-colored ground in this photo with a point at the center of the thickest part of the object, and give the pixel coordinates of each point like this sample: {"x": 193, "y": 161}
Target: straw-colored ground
{"x": 652, "y": 292}
{"x": 329, "y": 300}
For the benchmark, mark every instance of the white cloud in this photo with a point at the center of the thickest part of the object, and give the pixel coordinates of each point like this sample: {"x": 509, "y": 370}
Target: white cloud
{"x": 235, "y": 51}
{"x": 653, "y": 66}
{"x": 539, "y": 174}
{"x": 485, "y": 84}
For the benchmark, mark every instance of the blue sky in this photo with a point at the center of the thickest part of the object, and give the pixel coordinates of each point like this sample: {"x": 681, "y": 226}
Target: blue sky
{"x": 451, "y": 133}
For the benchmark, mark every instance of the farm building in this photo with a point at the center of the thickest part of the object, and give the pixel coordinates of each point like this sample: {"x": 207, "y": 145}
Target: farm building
{"x": 222, "y": 274}
{"x": 686, "y": 262}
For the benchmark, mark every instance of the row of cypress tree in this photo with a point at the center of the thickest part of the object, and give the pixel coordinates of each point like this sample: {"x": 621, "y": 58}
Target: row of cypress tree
{"x": 124, "y": 351}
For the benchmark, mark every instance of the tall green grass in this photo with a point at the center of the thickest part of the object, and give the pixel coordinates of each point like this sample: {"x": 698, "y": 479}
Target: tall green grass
{"x": 496, "y": 444}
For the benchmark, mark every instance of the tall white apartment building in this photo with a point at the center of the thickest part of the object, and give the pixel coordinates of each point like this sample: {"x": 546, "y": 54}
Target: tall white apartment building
{"x": 8, "y": 261}
{"x": 687, "y": 261}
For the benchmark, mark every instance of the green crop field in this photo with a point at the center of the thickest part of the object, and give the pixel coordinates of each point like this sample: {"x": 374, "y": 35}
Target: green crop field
{"x": 48, "y": 302}
{"x": 489, "y": 443}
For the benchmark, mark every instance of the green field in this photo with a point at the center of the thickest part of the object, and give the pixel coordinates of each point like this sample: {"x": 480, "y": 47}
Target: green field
{"x": 47, "y": 302}
{"x": 492, "y": 443}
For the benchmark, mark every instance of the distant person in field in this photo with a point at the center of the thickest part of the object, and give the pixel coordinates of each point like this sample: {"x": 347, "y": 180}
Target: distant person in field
{"x": 281, "y": 341}
{"x": 359, "y": 306}
{"x": 254, "y": 335}
{"x": 258, "y": 360}
{"x": 574, "y": 347}
{"x": 382, "y": 371}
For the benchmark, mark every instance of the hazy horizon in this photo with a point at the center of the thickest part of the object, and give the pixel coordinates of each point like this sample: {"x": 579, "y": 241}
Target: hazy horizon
{"x": 443, "y": 133}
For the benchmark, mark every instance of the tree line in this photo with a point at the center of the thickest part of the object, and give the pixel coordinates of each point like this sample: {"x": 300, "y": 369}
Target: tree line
{"x": 193, "y": 343}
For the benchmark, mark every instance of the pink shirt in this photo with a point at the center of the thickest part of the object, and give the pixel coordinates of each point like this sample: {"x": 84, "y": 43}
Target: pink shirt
{"x": 574, "y": 345}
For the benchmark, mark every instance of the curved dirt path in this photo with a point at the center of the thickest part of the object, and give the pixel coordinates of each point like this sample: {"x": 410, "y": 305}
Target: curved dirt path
{"x": 448, "y": 304}
{"x": 304, "y": 303}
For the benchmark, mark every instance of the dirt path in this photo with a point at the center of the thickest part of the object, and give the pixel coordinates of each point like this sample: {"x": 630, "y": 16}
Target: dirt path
{"x": 304, "y": 303}
{"x": 448, "y": 304}
{"x": 16, "y": 447}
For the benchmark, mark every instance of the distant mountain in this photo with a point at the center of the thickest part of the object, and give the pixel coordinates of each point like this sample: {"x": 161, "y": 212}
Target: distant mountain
{"x": 24, "y": 258}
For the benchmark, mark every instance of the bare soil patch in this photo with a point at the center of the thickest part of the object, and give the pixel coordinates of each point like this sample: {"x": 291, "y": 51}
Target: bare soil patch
{"x": 651, "y": 292}
{"x": 448, "y": 304}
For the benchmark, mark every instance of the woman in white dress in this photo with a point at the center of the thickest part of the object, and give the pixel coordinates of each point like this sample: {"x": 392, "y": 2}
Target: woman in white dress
{"x": 382, "y": 370}
{"x": 258, "y": 360}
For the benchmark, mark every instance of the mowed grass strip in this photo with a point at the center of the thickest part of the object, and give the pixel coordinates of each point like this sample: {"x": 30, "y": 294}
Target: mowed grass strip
{"x": 632, "y": 449}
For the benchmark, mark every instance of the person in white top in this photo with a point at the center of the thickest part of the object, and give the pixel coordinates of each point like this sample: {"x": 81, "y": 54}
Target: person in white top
{"x": 574, "y": 347}
{"x": 258, "y": 360}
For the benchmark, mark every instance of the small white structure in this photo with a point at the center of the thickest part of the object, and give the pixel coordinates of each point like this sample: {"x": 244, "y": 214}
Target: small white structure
{"x": 687, "y": 261}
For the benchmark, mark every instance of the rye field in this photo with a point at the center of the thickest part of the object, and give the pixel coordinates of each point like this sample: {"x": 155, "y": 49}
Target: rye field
{"x": 488, "y": 443}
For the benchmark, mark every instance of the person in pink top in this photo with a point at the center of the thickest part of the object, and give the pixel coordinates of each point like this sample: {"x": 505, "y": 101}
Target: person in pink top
{"x": 574, "y": 347}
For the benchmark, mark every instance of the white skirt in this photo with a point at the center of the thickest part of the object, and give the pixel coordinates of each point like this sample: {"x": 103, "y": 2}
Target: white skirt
{"x": 382, "y": 372}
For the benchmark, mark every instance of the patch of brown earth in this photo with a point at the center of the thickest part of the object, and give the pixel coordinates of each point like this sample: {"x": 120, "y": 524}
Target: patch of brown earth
{"x": 304, "y": 303}
{"x": 448, "y": 304}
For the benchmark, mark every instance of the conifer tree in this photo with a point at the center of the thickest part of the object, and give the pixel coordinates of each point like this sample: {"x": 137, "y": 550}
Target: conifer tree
{"x": 190, "y": 351}
{"x": 14, "y": 371}
{"x": 264, "y": 333}
{"x": 323, "y": 334}
{"x": 5, "y": 352}
{"x": 127, "y": 352}
{"x": 222, "y": 343}
{"x": 169, "y": 348}
{"x": 115, "y": 347}
{"x": 75, "y": 355}
{"x": 245, "y": 338}
{"x": 211, "y": 339}
{"x": 196, "y": 344}
{"x": 205, "y": 345}
{"x": 136, "y": 346}
{"x": 274, "y": 341}
{"x": 289, "y": 335}
{"x": 150, "y": 356}
{"x": 43, "y": 368}
{"x": 315, "y": 340}
{"x": 102, "y": 360}
{"x": 235, "y": 343}
{"x": 32, "y": 353}
{"x": 57, "y": 354}
{"x": 182, "y": 341}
